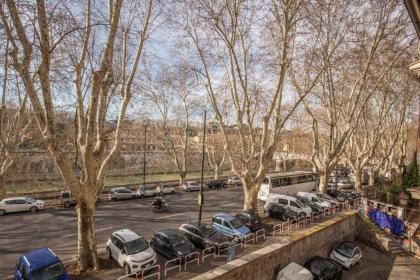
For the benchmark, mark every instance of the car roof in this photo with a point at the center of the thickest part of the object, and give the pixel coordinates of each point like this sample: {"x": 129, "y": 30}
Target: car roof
{"x": 126, "y": 235}
{"x": 289, "y": 174}
{"x": 168, "y": 231}
{"x": 13, "y": 198}
{"x": 278, "y": 195}
{"x": 40, "y": 258}
{"x": 120, "y": 188}
{"x": 225, "y": 216}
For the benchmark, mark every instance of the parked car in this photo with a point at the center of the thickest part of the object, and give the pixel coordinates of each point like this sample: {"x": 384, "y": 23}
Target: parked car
{"x": 280, "y": 211}
{"x": 215, "y": 184}
{"x": 145, "y": 191}
{"x": 346, "y": 254}
{"x": 203, "y": 235}
{"x": 40, "y": 264}
{"x": 67, "y": 199}
{"x": 293, "y": 271}
{"x": 340, "y": 196}
{"x": 20, "y": 204}
{"x": 165, "y": 189}
{"x": 344, "y": 184}
{"x": 230, "y": 226}
{"x": 316, "y": 209}
{"x": 250, "y": 219}
{"x": 323, "y": 268}
{"x": 130, "y": 250}
{"x": 121, "y": 193}
{"x": 171, "y": 243}
{"x": 328, "y": 198}
{"x": 191, "y": 186}
{"x": 234, "y": 180}
{"x": 315, "y": 198}
{"x": 290, "y": 201}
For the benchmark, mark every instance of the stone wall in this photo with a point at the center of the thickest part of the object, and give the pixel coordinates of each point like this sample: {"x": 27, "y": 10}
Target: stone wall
{"x": 264, "y": 263}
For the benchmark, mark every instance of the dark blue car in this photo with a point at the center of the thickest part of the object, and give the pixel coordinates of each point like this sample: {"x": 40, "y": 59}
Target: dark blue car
{"x": 40, "y": 264}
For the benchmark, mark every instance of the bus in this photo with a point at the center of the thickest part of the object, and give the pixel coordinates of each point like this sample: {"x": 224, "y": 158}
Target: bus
{"x": 289, "y": 183}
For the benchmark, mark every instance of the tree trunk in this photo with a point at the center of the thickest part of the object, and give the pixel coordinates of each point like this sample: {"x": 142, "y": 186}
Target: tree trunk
{"x": 216, "y": 172}
{"x": 323, "y": 182}
{"x": 284, "y": 166}
{"x": 251, "y": 198}
{"x": 358, "y": 179}
{"x": 182, "y": 176}
{"x": 88, "y": 257}
{"x": 2, "y": 188}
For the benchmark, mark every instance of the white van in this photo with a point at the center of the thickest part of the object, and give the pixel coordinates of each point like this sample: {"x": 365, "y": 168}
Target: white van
{"x": 314, "y": 198}
{"x": 292, "y": 202}
{"x": 293, "y": 271}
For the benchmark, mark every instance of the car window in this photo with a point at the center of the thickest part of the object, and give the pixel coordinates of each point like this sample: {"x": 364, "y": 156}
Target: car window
{"x": 208, "y": 230}
{"x": 53, "y": 271}
{"x": 283, "y": 201}
{"x": 23, "y": 272}
{"x": 294, "y": 204}
{"x": 9, "y": 202}
{"x": 217, "y": 221}
{"x": 235, "y": 223}
{"x": 136, "y": 246}
{"x": 226, "y": 224}
{"x": 177, "y": 240}
{"x": 65, "y": 195}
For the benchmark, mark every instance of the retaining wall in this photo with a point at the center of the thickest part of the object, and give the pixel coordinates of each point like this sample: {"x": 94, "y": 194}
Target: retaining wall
{"x": 264, "y": 263}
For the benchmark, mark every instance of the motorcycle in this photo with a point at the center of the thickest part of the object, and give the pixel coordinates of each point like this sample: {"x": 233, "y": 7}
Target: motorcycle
{"x": 163, "y": 208}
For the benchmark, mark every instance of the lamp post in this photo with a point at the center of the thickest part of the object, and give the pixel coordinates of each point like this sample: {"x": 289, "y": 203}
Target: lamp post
{"x": 200, "y": 195}
{"x": 144, "y": 154}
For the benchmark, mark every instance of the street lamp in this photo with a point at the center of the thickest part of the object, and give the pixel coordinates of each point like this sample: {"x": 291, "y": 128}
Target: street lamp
{"x": 200, "y": 195}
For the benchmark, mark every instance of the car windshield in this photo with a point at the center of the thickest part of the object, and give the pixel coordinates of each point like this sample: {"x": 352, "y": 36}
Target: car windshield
{"x": 193, "y": 183}
{"x": 177, "y": 240}
{"x": 345, "y": 249}
{"x": 30, "y": 199}
{"x": 207, "y": 230}
{"x": 322, "y": 265}
{"x": 235, "y": 223}
{"x": 51, "y": 272}
{"x": 136, "y": 246}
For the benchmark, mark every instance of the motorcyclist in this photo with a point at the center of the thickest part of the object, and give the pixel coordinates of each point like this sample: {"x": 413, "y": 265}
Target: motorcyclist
{"x": 159, "y": 202}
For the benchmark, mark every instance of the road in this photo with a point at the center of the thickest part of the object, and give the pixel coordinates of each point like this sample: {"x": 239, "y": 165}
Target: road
{"x": 57, "y": 228}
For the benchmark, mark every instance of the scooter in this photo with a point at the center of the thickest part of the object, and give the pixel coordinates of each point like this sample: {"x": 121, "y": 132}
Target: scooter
{"x": 164, "y": 208}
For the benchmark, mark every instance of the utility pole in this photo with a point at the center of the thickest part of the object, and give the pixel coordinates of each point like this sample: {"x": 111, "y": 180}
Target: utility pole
{"x": 144, "y": 154}
{"x": 200, "y": 195}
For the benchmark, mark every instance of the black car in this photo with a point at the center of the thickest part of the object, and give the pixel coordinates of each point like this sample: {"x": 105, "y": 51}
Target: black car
{"x": 203, "y": 235}
{"x": 215, "y": 184}
{"x": 171, "y": 243}
{"x": 316, "y": 209}
{"x": 323, "y": 268}
{"x": 280, "y": 212}
{"x": 250, "y": 219}
{"x": 340, "y": 196}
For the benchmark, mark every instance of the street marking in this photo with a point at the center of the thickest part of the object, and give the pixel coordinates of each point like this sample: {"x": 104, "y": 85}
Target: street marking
{"x": 173, "y": 215}
{"x": 101, "y": 229}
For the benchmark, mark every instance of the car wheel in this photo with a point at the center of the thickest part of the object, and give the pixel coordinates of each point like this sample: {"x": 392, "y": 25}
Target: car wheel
{"x": 2, "y": 212}
{"x": 134, "y": 197}
{"x": 173, "y": 191}
{"x": 67, "y": 204}
{"x": 33, "y": 209}
{"x": 114, "y": 199}
{"x": 109, "y": 253}
{"x": 187, "y": 190}
{"x": 127, "y": 269}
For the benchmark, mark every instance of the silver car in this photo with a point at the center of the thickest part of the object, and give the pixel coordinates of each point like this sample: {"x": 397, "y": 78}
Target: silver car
{"x": 165, "y": 189}
{"x": 20, "y": 204}
{"x": 346, "y": 254}
{"x": 191, "y": 186}
{"x": 121, "y": 193}
{"x": 146, "y": 191}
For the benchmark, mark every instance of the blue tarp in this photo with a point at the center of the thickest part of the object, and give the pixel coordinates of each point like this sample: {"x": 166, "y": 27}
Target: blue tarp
{"x": 383, "y": 220}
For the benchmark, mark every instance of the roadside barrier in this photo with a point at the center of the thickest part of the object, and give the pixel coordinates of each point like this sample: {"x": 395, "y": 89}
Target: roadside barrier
{"x": 308, "y": 219}
{"x": 154, "y": 274}
{"x": 223, "y": 247}
{"x": 283, "y": 226}
{"x": 300, "y": 221}
{"x": 248, "y": 239}
{"x": 259, "y": 234}
{"x": 315, "y": 217}
{"x": 207, "y": 253}
{"x": 195, "y": 258}
{"x": 326, "y": 213}
{"x": 295, "y": 222}
{"x": 277, "y": 229}
{"x": 177, "y": 265}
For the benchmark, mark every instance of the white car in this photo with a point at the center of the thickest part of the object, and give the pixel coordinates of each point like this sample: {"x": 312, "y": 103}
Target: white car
{"x": 234, "y": 181}
{"x": 328, "y": 198}
{"x": 191, "y": 186}
{"x": 291, "y": 202}
{"x": 121, "y": 193}
{"x": 20, "y": 204}
{"x": 130, "y": 250}
{"x": 314, "y": 198}
{"x": 146, "y": 191}
{"x": 293, "y": 271}
{"x": 165, "y": 189}
{"x": 346, "y": 254}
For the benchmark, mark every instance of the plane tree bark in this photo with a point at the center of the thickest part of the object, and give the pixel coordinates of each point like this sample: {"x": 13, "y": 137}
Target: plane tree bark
{"x": 97, "y": 79}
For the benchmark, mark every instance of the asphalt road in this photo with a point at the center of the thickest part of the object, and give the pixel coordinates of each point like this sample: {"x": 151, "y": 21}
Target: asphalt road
{"x": 57, "y": 228}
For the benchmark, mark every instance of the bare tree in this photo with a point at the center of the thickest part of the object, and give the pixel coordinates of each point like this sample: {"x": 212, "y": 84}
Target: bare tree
{"x": 39, "y": 49}
{"x": 14, "y": 124}
{"x": 244, "y": 50}
{"x": 375, "y": 36}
